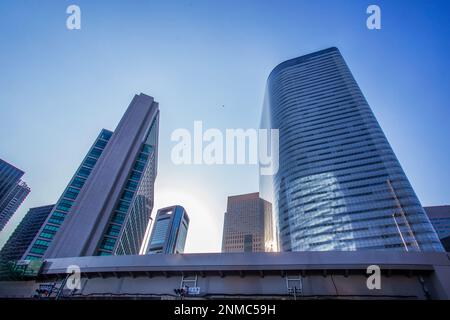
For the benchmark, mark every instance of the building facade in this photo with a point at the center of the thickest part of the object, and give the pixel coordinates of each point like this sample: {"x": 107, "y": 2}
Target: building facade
{"x": 247, "y": 224}
{"x": 62, "y": 209}
{"x": 339, "y": 185}
{"x": 169, "y": 231}
{"x": 9, "y": 177}
{"x": 112, "y": 212}
{"x": 13, "y": 191}
{"x": 440, "y": 219}
{"x": 25, "y": 232}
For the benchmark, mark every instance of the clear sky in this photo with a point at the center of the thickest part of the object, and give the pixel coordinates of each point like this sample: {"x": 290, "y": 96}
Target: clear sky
{"x": 59, "y": 87}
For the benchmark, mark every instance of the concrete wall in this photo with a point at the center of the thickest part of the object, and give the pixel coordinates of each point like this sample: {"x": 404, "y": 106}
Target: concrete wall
{"x": 252, "y": 275}
{"x": 251, "y": 286}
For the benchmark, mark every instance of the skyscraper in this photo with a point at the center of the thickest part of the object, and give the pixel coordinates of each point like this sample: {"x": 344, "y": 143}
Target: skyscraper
{"x": 62, "y": 209}
{"x": 9, "y": 177}
{"x": 169, "y": 231}
{"x": 112, "y": 211}
{"x": 440, "y": 219}
{"x": 339, "y": 185}
{"x": 247, "y": 224}
{"x": 13, "y": 191}
{"x": 24, "y": 233}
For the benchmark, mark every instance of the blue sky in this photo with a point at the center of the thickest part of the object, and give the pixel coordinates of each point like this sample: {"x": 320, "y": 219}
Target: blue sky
{"x": 58, "y": 87}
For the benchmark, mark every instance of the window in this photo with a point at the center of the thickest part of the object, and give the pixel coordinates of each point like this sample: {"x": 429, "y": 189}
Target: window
{"x": 123, "y": 206}
{"x": 71, "y": 193}
{"x": 57, "y": 217}
{"x": 105, "y": 135}
{"x": 64, "y": 205}
{"x": 49, "y": 228}
{"x": 127, "y": 195}
{"x": 42, "y": 243}
{"x": 84, "y": 172}
{"x": 248, "y": 241}
{"x": 131, "y": 185}
{"x": 89, "y": 162}
{"x": 135, "y": 175}
{"x": 143, "y": 157}
{"x": 78, "y": 182}
{"x": 113, "y": 230}
{"x": 37, "y": 250}
{"x": 100, "y": 144}
{"x": 108, "y": 244}
{"x": 139, "y": 166}
{"x": 57, "y": 214}
{"x": 118, "y": 218}
{"x": 31, "y": 258}
{"x": 159, "y": 234}
{"x": 47, "y": 235}
{"x": 95, "y": 153}
{"x": 55, "y": 220}
{"x": 147, "y": 148}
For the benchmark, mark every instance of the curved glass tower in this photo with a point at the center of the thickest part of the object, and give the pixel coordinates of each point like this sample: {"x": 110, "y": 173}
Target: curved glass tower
{"x": 339, "y": 185}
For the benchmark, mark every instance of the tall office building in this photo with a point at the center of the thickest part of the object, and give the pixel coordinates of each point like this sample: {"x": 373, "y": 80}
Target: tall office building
{"x": 13, "y": 191}
{"x": 9, "y": 177}
{"x": 169, "y": 231}
{"x": 52, "y": 224}
{"x": 247, "y": 224}
{"x": 112, "y": 210}
{"x": 440, "y": 219}
{"x": 25, "y": 233}
{"x": 339, "y": 185}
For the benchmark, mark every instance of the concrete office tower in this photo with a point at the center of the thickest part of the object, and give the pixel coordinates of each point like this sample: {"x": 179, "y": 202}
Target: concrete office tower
{"x": 62, "y": 209}
{"x": 339, "y": 185}
{"x": 169, "y": 231}
{"x": 440, "y": 219}
{"x": 13, "y": 191}
{"x": 112, "y": 210}
{"x": 25, "y": 232}
{"x": 247, "y": 224}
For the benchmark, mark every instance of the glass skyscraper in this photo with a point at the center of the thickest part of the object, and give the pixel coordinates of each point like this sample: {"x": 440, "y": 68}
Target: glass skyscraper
{"x": 25, "y": 233}
{"x": 111, "y": 213}
{"x": 440, "y": 219}
{"x": 62, "y": 209}
{"x": 339, "y": 185}
{"x": 9, "y": 177}
{"x": 13, "y": 191}
{"x": 132, "y": 213}
{"x": 169, "y": 231}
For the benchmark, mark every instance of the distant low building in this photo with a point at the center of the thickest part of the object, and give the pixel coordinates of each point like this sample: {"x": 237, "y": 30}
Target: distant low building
{"x": 247, "y": 224}
{"x": 169, "y": 231}
{"x": 25, "y": 232}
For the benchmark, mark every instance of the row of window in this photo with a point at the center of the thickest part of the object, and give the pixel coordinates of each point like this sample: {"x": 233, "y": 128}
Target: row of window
{"x": 69, "y": 196}
{"x": 110, "y": 238}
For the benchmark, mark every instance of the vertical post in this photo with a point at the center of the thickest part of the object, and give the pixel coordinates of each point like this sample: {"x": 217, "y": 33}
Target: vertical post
{"x": 61, "y": 288}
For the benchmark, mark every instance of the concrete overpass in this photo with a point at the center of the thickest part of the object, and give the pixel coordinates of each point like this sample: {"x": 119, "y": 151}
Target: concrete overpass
{"x": 307, "y": 275}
